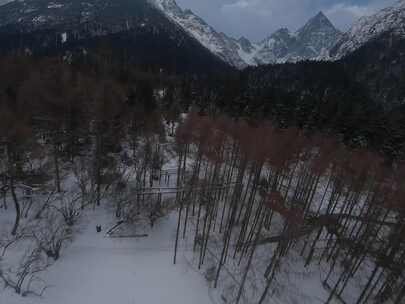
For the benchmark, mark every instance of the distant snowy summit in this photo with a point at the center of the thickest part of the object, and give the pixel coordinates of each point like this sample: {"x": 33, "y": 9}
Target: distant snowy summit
{"x": 312, "y": 41}
{"x": 389, "y": 20}
{"x": 318, "y": 39}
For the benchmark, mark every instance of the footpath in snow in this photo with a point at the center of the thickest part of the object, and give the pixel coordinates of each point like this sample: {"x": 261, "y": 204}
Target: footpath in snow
{"x": 96, "y": 269}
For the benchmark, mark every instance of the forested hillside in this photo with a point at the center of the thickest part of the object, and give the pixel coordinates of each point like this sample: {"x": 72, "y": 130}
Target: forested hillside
{"x": 133, "y": 32}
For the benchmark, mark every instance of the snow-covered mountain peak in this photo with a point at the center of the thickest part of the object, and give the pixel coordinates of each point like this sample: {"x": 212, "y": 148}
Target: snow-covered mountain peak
{"x": 282, "y": 37}
{"x": 165, "y": 3}
{"x": 243, "y": 40}
{"x": 318, "y": 23}
{"x": 318, "y": 34}
{"x": 246, "y": 45}
{"x": 321, "y": 20}
{"x": 168, "y": 5}
{"x": 282, "y": 33}
{"x": 309, "y": 42}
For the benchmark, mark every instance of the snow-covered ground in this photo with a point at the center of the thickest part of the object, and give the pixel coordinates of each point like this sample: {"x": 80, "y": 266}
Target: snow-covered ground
{"x": 96, "y": 269}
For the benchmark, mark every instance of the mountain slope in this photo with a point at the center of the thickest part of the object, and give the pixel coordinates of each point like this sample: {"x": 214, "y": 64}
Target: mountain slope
{"x": 218, "y": 43}
{"x": 134, "y": 29}
{"x": 390, "y": 19}
{"x": 379, "y": 65}
{"x": 310, "y": 42}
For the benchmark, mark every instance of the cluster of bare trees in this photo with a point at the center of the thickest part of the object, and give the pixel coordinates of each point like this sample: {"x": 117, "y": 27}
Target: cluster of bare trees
{"x": 41, "y": 235}
{"x": 80, "y": 122}
{"x": 69, "y": 139}
{"x": 280, "y": 190}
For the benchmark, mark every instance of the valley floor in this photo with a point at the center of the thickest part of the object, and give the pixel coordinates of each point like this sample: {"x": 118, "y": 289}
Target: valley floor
{"x": 97, "y": 269}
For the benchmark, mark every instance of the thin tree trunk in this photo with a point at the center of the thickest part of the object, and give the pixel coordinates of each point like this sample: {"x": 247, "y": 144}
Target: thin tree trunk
{"x": 16, "y": 205}
{"x": 12, "y": 190}
{"x": 370, "y": 280}
{"x": 250, "y": 258}
{"x": 56, "y": 163}
{"x": 178, "y": 198}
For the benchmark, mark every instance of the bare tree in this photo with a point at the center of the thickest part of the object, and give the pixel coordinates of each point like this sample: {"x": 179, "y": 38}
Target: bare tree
{"x": 22, "y": 278}
{"x": 51, "y": 234}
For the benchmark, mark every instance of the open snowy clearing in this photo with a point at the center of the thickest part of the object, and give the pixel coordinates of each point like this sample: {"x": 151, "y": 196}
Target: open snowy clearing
{"x": 102, "y": 270}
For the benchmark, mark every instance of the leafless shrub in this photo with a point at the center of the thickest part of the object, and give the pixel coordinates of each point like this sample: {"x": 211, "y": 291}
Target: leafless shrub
{"x": 51, "y": 235}
{"x": 69, "y": 208}
{"x": 24, "y": 278}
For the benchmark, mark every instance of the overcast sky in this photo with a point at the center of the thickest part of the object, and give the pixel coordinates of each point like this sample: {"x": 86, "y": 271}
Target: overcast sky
{"x": 256, "y": 19}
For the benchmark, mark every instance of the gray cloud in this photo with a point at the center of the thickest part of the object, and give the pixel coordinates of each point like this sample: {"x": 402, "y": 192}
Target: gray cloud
{"x": 256, "y": 19}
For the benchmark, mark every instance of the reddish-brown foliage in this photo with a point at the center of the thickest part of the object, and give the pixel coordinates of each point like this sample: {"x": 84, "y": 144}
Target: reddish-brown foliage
{"x": 275, "y": 202}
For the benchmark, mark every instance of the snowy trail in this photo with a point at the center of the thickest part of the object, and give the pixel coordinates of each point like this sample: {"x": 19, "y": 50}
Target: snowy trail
{"x": 96, "y": 269}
